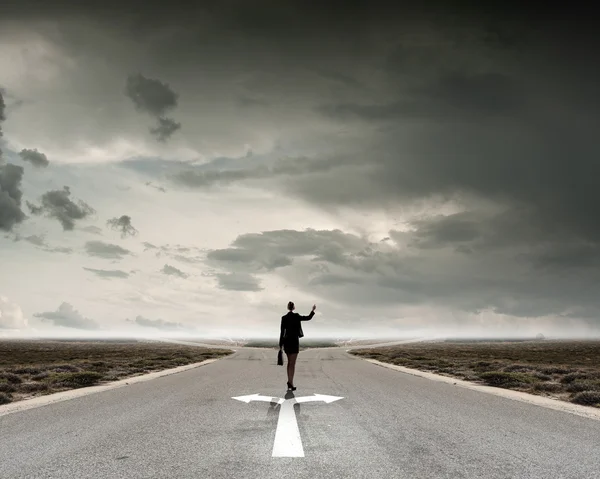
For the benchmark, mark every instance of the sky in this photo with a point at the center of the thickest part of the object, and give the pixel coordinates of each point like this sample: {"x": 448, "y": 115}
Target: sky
{"x": 187, "y": 169}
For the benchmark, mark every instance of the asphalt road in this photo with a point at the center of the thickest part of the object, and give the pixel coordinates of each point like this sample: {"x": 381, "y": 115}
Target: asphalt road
{"x": 388, "y": 425}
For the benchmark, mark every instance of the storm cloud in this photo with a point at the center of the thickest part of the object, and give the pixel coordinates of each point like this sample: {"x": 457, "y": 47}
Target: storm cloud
{"x": 238, "y": 282}
{"x": 155, "y": 98}
{"x": 40, "y": 242}
{"x": 2, "y": 118}
{"x": 58, "y": 204}
{"x": 11, "y": 177}
{"x": 36, "y": 158}
{"x": 106, "y": 250}
{"x": 422, "y": 267}
{"x": 371, "y": 154}
{"x": 122, "y": 224}
{"x": 11, "y": 194}
{"x": 108, "y": 273}
{"x": 173, "y": 271}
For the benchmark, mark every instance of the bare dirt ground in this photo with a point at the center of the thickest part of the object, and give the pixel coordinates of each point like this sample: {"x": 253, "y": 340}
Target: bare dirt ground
{"x": 565, "y": 370}
{"x": 30, "y": 368}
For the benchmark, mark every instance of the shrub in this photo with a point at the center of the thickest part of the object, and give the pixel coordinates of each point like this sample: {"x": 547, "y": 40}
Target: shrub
{"x": 76, "y": 380}
{"x": 556, "y": 370}
{"x": 41, "y": 376}
{"x": 587, "y": 398}
{"x": 5, "y": 398}
{"x": 33, "y": 387}
{"x": 569, "y": 378}
{"x": 514, "y": 368}
{"x": 10, "y": 377}
{"x": 548, "y": 387}
{"x": 6, "y": 387}
{"x": 64, "y": 368}
{"x": 580, "y": 385}
{"x": 26, "y": 370}
{"x": 506, "y": 380}
{"x": 482, "y": 364}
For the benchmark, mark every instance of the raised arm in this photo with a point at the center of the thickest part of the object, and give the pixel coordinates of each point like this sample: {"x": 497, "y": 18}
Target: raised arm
{"x": 310, "y": 316}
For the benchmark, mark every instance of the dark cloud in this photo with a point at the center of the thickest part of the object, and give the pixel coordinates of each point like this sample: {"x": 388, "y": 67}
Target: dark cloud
{"x": 2, "y": 119}
{"x": 92, "y": 229}
{"x": 67, "y": 316}
{"x": 421, "y": 267}
{"x": 40, "y": 242}
{"x": 156, "y": 187}
{"x": 188, "y": 259}
{"x": 271, "y": 250}
{"x": 37, "y": 159}
{"x": 165, "y": 129}
{"x": 123, "y": 224}
{"x": 438, "y": 103}
{"x": 2, "y": 108}
{"x": 106, "y": 250}
{"x": 10, "y": 196}
{"x": 36, "y": 240}
{"x": 149, "y": 95}
{"x": 463, "y": 96}
{"x": 155, "y": 98}
{"x": 205, "y": 176}
{"x": 58, "y": 204}
{"x": 157, "y": 324}
{"x": 11, "y": 177}
{"x": 238, "y": 282}
{"x": 108, "y": 273}
{"x": 59, "y": 249}
{"x": 172, "y": 271}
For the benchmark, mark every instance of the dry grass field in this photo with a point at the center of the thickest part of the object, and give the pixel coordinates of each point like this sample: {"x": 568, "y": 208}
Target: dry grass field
{"x": 30, "y": 368}
{"x": 566, "y": 370}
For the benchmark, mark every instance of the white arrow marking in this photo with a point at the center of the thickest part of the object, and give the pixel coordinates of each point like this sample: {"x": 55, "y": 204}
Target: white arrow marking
{"x": 258, "y": 397}
{"x": 288, "y": 442}
{"x": 319, "y": 397}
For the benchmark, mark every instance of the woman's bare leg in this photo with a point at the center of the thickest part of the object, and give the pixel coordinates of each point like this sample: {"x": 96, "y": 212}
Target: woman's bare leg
{"x": 291, "y": 367}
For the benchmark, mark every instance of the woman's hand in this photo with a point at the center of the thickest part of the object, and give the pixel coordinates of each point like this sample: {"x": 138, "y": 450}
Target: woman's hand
{"x": 314, "y": 307}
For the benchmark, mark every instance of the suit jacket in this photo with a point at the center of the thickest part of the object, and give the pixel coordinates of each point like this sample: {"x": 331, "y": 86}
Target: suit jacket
{"x": 291, "y": 326}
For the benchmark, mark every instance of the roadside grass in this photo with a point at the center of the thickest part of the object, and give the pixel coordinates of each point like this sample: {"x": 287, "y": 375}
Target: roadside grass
{"x": 565, "y": 370}
{"x": 35, "y": 368}
{"x": 304, "y": 344}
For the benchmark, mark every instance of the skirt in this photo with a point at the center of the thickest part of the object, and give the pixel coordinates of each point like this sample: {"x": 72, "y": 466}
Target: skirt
{"x": 291, "y": 345}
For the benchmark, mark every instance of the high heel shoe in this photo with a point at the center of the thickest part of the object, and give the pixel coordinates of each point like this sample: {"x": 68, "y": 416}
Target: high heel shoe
{"x": 293, "y": 388}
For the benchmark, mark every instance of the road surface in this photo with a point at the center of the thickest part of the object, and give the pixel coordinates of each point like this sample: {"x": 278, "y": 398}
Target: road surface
{"x": 388, "y": 424}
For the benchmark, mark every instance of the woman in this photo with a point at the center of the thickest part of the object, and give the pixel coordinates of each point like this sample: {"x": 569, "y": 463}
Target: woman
{"x": 289, "y": 338}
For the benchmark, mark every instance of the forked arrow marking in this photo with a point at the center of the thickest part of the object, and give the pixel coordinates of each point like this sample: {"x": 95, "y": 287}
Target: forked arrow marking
{"x": 287, "y": 436}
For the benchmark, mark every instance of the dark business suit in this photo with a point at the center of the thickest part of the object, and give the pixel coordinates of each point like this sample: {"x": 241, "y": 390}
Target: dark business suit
{"x": 291, "y": 331}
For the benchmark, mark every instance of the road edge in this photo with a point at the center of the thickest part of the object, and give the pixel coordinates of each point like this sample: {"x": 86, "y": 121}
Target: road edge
{"x": 542, "y": 401}
{"x": 40, "y": 401}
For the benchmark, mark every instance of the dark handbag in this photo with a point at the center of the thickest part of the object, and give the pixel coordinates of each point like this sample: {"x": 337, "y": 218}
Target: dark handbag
{"x": 280, "y": 358}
